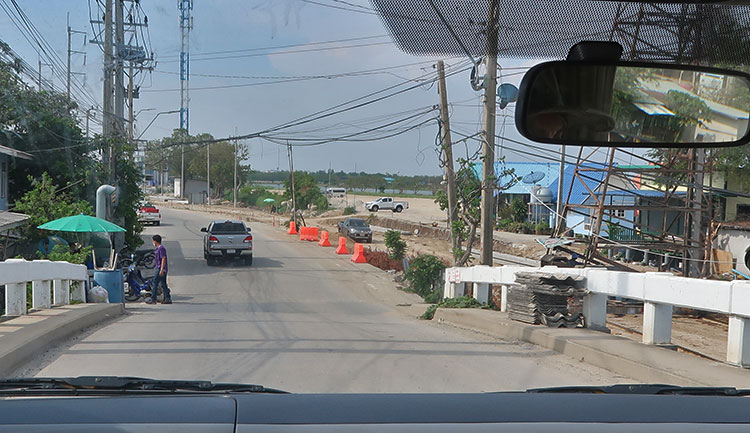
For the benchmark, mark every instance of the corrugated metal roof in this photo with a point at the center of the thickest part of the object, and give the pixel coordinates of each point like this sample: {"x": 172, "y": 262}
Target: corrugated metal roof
{"x": 654, "y": 109}
{"x": 521, "y": 169}
{"x": 579, "y": 192}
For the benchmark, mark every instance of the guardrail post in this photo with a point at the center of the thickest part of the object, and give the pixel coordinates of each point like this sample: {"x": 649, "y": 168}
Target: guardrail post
{"x": 482, "y": 292}
{"x": 657, "y": 323}
{"x": 15, "y": 299}
{"x": 40, "y": 294}
{"x": 504, "y": 298}
{"x": 595, "y": 311}
{"x": 79, "y": 292}
{"x": 738, "y": 343}
{"x": 61, "y": 289}
{"x": 453, "y": 290}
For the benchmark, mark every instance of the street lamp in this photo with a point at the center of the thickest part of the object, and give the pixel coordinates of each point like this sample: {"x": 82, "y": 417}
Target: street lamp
{"x": 154, "y": 119}
{"x": 146, "y": 128}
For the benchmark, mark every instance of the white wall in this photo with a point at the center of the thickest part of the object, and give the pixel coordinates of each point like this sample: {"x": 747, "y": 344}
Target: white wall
{"x": 735, "y": 241}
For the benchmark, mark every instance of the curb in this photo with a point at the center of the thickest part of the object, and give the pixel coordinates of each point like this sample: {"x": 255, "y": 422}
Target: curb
{"x": 644, "y": 363}
{"x": 34, "y": 333}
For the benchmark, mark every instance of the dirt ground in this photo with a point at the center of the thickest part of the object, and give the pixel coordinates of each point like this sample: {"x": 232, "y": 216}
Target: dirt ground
{"x": 705, "y": 336}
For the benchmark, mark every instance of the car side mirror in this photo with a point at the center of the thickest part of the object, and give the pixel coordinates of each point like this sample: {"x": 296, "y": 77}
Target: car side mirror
{"x": 204, "y": 230}
{"x": 634, "y": 104}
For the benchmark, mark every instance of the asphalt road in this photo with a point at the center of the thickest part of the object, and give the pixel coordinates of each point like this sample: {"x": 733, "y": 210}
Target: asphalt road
{"x": 301, "y": 319}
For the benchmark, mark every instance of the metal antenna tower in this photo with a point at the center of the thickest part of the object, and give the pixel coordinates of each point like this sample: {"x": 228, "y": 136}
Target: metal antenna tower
{"x": 186, "y": 24}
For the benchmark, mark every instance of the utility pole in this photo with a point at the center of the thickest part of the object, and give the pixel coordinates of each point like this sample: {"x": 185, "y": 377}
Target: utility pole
{"x": 88, "y": 114}
{"x": 291, "y": 182}
{"x": 69, "y": 40}
{"x": 131, "y": 117}
{"x": 119, "y": 71}
{"x": 40, "y": 75}
{"x": 488, "y": 143}
{"x": 107, "y": 101}
{"x": 186, "y": 24}
{"x": 445, "y": 130}
{"x": 234, "y": 195}
{"x": 559, "y": 220}
{"x": 696, "y": 216}
{"x": 208, "y": 173}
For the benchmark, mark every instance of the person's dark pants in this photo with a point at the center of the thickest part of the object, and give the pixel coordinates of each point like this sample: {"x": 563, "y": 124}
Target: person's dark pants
{"x": 160, "y": 280}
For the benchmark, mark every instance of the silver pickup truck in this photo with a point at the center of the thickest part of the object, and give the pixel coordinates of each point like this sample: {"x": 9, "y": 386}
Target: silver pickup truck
{"x": 386, "y": 203}
{"x": 227, "y": 240}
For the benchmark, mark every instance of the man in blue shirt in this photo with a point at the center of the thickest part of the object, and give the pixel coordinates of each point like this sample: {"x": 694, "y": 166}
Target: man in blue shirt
{"x": 160, "y": 278}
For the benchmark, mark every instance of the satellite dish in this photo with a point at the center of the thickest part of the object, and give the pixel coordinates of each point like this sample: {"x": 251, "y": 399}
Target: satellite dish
{"x": 507, "y": 93}
{"x": 533, "y": 177}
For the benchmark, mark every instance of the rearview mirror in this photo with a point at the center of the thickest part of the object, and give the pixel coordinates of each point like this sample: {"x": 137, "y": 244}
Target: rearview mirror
{"x": 634, "y": 105}
{"x": 204, "y": 230}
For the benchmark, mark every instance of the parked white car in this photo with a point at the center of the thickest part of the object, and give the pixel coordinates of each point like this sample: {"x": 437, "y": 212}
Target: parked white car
{"x": 386, "y": 203}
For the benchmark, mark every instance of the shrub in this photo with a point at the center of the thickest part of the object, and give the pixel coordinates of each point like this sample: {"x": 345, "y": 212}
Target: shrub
{"x": 424, "y": 274}
{"x": 349, "y": 210}
{"x": 519, "y": 210}
{"x": 61, "y": 253}
{"x": 322, "y": 203}
{"x": 460, "y": 302}
{"x": 396, "y": 246}
{"x": 430, "y": 313}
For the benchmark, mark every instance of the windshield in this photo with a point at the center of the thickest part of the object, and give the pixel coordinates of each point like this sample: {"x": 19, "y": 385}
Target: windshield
{"x": 228, "y": 228}
{"x": 398, "y": 118}
{"x": 357, "y": 223}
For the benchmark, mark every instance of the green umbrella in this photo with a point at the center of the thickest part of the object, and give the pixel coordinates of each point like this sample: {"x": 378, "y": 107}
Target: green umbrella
{"x": 81, "y": 224}
{"x": 269, "y": 200}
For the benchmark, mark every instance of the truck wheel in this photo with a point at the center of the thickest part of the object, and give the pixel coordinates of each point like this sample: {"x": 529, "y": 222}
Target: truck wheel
{"x": 249, "y": 260}
{"x": 399, "y": 208}
{"x": 374, "y": 209}
{"x": 158, "y": 223}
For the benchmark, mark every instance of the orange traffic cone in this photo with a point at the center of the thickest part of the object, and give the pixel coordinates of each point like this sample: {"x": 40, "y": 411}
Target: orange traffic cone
{"x": 341, "y": 248}
{"x": 324, "y": 241}
{"x": 359, "y": 254}
{"x": 312, "y": 234}
{"x": 292, "y": 228}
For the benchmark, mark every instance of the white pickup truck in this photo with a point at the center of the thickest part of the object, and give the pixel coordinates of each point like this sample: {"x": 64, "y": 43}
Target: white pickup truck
{"x": 386, "y": 203}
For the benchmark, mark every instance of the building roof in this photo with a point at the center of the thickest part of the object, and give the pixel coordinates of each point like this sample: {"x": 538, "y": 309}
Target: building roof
{"x": 579, "y": 193}
{"x": 521, "y": 169}
{"x": 11, "y": 220}
{"x": 15, "y": 153}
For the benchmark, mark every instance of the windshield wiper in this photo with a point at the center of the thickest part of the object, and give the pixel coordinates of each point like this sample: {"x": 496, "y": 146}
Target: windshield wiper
{"x": 646, "y": 389}
{"x": 125, "y": 384}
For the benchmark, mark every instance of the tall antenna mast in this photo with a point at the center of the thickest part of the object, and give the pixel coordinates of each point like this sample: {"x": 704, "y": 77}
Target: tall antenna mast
{"x": 186, "y": 24}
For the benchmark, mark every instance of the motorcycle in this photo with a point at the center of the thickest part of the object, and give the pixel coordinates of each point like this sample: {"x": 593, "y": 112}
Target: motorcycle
{"x": 141, "y": 258}
{"x": 137, "y": 286}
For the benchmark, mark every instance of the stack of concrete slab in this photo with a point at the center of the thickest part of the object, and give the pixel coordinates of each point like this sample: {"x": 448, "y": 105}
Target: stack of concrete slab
{"x": 542, "y": 298}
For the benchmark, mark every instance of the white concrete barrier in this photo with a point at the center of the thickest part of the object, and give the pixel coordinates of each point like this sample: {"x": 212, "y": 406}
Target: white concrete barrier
{"x": 45, "y": 277}
{"x": 659, "y": 291}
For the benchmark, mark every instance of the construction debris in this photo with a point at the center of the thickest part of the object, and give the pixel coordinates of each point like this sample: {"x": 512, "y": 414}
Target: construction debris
{"x": 542, "y": 298}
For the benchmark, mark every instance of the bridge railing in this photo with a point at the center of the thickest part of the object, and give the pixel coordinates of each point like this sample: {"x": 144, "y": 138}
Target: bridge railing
{"x": 659, "y": 291}
{"x": 50, "y": 284}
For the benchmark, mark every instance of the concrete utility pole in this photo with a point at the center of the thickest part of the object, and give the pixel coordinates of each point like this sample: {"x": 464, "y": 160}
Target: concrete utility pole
{"x": 107, "y": 96}
{"x": 559, "y": 220}
{"x": 40, "y": 75}
{"x": 208, "y": 173}
{"x": 445, "y": 130}
{"x": 119, "y": 70}
{"x": 131, "y": 117}
{"x": 291, "y": 182}
{"x": 234, "y": 195}
{"x": 696, "y": 216}
{"x": 488, "y": 143}
{"x": 68, "y": 81}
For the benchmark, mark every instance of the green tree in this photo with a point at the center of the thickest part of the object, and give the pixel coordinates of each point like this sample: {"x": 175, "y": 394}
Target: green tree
{"x": 396, "y": 246}
{"x": 468, "y": 200}
{"x": 44, "y": 202}
{"x": 222, "y": 165}
{"x": 306, "y": 191}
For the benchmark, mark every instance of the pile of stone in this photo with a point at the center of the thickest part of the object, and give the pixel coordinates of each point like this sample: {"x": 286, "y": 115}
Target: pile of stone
{"x": 542, "y": 298}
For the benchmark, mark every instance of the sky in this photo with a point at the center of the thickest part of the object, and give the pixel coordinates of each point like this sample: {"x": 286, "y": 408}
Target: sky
{"x": 235, "y": 85}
